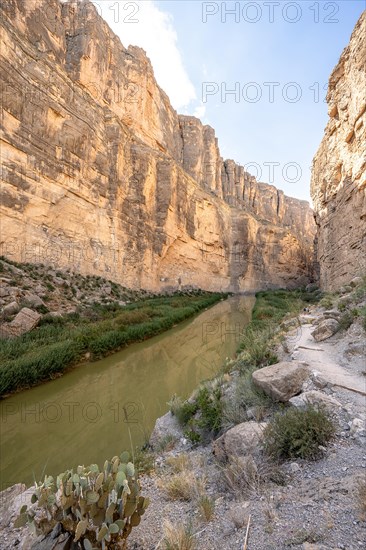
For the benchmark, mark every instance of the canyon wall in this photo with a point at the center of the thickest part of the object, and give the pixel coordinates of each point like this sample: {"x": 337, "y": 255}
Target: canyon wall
{"x": 338, "y": 185}
{"x": 101, "y": 175}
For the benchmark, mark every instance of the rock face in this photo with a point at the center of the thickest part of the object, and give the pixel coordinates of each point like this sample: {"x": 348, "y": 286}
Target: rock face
{"x": 338, "y": 185}
{"x": 282, "y": 380}
{"x": 100, "y": 174}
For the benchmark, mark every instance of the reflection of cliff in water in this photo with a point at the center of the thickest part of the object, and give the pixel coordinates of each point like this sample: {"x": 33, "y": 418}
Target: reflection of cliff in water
{"x": 84, "y": 416}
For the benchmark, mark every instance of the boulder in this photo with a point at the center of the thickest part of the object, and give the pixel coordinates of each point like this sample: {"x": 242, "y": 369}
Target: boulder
{"x": 25, "y": 321}
{"x": 4, "y": 291}
{"x": 32, "y": 300}
{"x": 11, "y": 308}
{"x": 332, "y": 314}
{"x": 165, "y": 426}
{"x": 282, "y": 380}
{"x": 239, "y": 441}
{"x": 318, "y": 400}
{"x": 325, "y": 330}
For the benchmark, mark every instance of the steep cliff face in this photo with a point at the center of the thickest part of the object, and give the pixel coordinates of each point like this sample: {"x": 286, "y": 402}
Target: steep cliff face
{"x": 101, "y": 175}
{"x": 338, "y": 184}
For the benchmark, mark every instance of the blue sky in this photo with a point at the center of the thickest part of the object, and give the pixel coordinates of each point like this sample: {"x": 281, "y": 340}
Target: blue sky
{"x": 275, "y": 55}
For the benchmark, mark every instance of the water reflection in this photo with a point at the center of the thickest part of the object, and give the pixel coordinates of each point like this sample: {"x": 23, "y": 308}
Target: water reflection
{"x": 95, "y": 411}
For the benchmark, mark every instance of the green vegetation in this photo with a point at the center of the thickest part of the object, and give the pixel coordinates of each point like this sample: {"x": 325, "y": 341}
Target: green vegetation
{"x": 298, "y": 433}
{"x": 60, "y": 343}
{"x": 207, "y": 413}
{"x": 270, "y": 309}
{"x": 97, "y": 507}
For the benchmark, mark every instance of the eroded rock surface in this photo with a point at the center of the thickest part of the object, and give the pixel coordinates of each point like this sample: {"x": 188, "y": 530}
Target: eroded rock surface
{"x": 100, "y": 174}
{"x": 282, "y": 380}
{"x": 338, "y": 185}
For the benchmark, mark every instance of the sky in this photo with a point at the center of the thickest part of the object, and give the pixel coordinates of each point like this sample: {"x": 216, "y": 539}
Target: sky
{"x": 256, "y": 71}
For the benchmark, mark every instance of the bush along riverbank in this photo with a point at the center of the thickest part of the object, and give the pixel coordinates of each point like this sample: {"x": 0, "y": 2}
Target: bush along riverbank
{"x": 90, "y": 331}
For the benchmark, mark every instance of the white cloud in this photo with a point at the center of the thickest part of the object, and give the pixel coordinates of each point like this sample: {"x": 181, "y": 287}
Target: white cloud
{"x": 142, "y": 23}
{"x": 200, "y": 111}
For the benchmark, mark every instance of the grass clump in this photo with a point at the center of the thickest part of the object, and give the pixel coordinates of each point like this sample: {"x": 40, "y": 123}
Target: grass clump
{"x": 178, "y": 463}
{"x": 297, "y": 433}
{"x": 246, "y": 402}
{"x": 178, "y": 537}
{"x": 181, "y": 486}
{"x": 206, "y": 507}
{"x": 361, "y": 499}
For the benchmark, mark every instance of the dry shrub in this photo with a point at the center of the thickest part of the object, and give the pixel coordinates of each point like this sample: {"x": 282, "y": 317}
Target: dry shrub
{"x": 181, "y": 486}
{"x": 178, "y": 537}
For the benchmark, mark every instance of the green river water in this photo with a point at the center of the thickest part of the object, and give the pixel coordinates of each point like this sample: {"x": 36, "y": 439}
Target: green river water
{"x": 93, "y": 412}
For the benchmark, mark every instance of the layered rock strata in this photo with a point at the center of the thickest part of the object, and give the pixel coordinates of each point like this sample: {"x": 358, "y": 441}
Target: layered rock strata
{"x": 338, "y": 185}
{"x": 101, "y": 175}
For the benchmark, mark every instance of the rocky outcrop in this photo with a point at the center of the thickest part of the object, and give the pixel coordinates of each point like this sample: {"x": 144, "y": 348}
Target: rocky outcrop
{"x": 338, "y": 185}
{"x": 101, "y": 175}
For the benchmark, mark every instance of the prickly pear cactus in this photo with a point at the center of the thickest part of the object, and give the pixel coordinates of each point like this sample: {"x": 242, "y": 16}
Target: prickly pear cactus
{"x": 98, "y": 507}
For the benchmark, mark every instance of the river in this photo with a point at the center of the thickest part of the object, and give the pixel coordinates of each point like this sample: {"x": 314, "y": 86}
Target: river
{"x": 96, "y": 410}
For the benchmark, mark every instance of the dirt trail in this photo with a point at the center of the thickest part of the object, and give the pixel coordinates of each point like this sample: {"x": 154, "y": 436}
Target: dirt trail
{"x": 327, "y": 358}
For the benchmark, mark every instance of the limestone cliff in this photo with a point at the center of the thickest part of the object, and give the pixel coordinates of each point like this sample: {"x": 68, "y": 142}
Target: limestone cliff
{"x": 338, "y": 184}
{"x": 100, "y": 173}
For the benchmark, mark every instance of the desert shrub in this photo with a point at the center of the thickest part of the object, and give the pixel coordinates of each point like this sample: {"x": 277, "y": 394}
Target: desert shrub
{"x": 193, "y": 436}
{"x": 327, "y": 301}
{"x": 297, "y": 433}
{"x": 184, "y": 411}
{"x": 98, "y": 507}
{"x": 346, "y": 320}
{"x": 209, "y": 402}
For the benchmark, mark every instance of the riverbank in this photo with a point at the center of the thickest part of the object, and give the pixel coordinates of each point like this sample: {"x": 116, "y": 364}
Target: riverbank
{"x": 73, "y": 327}
{"x": 215, "y": 492}
{"x": 313, "y": 501}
